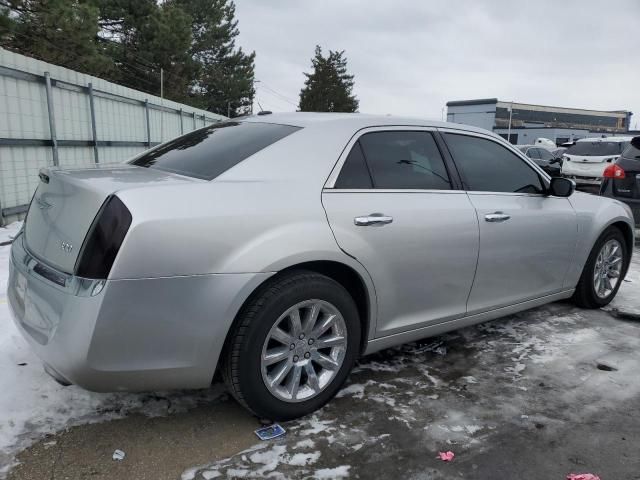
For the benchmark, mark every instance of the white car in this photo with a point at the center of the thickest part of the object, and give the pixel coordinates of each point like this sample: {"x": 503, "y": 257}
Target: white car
{"x": 585, "y": 161}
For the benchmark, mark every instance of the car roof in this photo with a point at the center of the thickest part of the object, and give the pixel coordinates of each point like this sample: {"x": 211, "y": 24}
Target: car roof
{"x": 356, "y": 121}
{"x": 605, "y": 139}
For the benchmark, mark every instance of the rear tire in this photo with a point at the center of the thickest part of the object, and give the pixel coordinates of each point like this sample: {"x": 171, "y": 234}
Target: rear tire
{"x": 275, "y": 333}
{"x": 598, "y": 284}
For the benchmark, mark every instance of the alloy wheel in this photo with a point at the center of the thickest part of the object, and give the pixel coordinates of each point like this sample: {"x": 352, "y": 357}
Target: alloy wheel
{"x": 608, "y": 268}
{"x": 304, "y": 350}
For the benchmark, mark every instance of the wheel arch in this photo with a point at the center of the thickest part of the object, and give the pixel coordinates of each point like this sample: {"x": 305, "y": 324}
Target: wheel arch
{"x": 359, "y": 287}
{"x": 628, "y": 233}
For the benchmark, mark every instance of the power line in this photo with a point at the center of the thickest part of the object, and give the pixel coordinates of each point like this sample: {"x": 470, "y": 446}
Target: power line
{"x": 275, "y": 92}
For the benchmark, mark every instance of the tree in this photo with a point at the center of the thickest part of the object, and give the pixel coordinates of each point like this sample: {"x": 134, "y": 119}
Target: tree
{"x": 130, "y": 42}
{"x": 145, "y": 39}
{"x": 225, "y": 74}
{"x": 329, "y": 88}
{"x": 57, "y": 31}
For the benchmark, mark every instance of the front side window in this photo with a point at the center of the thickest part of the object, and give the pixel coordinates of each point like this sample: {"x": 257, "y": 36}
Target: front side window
{"x": 404, "y": 160}
{"x": 487, "y": 166}
{"x": 210, "y": 151}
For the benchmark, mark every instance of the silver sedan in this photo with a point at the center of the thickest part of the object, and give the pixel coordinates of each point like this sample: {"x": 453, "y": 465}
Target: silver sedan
{"x": 280, "y": 248}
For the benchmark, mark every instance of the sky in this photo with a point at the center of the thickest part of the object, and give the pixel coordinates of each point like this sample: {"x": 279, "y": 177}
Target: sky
{"x": 410, "y": 57}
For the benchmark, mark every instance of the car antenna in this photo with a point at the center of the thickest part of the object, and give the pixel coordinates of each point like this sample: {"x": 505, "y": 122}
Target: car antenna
{"x": 262, "y": 112}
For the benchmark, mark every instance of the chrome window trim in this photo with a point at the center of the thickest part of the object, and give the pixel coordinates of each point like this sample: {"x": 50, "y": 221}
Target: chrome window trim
{"x": 391, "y": 190}
{"x": 335, "y": 172}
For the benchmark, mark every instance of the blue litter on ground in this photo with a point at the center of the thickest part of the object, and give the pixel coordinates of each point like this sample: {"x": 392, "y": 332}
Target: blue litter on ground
{"x": 270, "y": 432}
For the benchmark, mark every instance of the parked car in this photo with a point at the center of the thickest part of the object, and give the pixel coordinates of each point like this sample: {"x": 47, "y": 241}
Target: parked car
{"x": 280, "y": 248}
{"x": 543, "y": 158}
{"x": 585, "y": 161}
{"x": 622, "y": 179}
{"x": 558, "y": 152}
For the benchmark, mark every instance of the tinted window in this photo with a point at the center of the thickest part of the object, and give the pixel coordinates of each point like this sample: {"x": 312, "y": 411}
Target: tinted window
{"x": 533, "y": 153}
{"x": 595, "y": 149}
{"x": 545, "y": 154}
{"x": 354, "y": 173}
{"x": 404, "y": 160}
{"x": 632, "y": 151}
{"x": 210, "y": 151}
{"x": 489, "y": 167}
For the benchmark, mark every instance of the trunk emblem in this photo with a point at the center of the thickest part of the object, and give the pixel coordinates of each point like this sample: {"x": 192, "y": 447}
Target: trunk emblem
{"x": 66, "y": 246}
{"x": 43, "y": 204}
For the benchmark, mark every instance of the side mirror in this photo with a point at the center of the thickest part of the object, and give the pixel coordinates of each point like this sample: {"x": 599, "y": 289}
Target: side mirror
{"x": 635, "y": 141}
{"x": 561, "y": 187}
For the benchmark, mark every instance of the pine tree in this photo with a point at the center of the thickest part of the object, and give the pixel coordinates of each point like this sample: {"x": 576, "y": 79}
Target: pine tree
{"x": 131, "y": 41}
{"x": 328, "y": 88}
{"x": 58, "y": 31}
{"x": 225, "y": 74}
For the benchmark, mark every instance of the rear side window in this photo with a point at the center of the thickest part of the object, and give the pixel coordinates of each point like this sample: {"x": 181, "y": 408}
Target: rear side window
{"x": 354, "y": 173}
{"x": 533, "y": 153}
{"x": 404, "y": 160}
{"x": 632, "y": 151}
{"x": 487, "y": 166}
{"x": 210, "y": 151}
{"x": 545, "y": 154}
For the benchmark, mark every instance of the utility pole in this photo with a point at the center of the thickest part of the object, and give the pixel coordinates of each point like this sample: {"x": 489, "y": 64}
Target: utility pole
{"x": 510, "y": 116}
{"x": 162, "y": 104}
{"x": 229, "y": 109}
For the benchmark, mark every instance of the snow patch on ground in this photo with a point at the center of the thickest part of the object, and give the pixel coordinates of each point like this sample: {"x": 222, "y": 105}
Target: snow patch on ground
{"x": 7, "y": 233}
{"x": 33, "y": 405}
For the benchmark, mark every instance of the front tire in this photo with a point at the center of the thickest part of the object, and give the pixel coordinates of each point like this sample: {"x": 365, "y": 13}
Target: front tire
{"x": 602, "y": 274}
{"x": 292, "y": 346}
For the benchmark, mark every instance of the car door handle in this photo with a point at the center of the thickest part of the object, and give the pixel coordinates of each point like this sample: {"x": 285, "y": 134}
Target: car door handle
{"x": 496, "y": 217}
{"x": 372, "y": 219}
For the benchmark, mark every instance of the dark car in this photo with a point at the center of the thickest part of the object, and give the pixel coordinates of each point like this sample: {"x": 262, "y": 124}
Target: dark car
{"x": 544, "y": 158}
{"x": 622, "y": 179}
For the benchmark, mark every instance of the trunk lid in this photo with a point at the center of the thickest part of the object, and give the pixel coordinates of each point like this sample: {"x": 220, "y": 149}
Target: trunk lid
{"x": 66, "y": 203}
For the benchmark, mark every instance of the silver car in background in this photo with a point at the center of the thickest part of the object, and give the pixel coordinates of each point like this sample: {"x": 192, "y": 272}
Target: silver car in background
{"x": 280, "y": 248}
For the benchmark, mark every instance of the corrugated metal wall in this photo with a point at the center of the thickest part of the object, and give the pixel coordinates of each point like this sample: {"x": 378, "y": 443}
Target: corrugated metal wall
{"x": 127, "y": 122}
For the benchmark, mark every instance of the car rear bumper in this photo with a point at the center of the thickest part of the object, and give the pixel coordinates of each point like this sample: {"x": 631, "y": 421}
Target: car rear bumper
{"x": 585, "y": 173}
{"x": 584, "y": 180}
{"x": 133, "y": 335}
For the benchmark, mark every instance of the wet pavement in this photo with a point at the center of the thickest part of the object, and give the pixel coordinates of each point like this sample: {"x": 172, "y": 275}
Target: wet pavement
{"x": 537, "y": 395}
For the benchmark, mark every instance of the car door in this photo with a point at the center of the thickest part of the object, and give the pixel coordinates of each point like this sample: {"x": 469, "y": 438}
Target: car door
{"x": 392, "y": 204}
{"x": 527, "y": 237}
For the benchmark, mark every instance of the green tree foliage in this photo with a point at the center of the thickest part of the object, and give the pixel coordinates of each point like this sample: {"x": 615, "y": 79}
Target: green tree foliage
{"x": 58, "y": 31}
{"x": 328, "y": 88}
{"x": 131, "y": 41}
{"x": 225, "y": 74}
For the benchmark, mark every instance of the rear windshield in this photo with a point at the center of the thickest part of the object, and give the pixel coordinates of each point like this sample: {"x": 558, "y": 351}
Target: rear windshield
{"x": 210, "y": 151}
{"x": 632, "y": 151}
{"x": 596, "y": 149}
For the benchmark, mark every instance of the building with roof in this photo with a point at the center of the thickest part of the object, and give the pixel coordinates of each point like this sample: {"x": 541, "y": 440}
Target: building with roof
{"x": 523, "y": 123}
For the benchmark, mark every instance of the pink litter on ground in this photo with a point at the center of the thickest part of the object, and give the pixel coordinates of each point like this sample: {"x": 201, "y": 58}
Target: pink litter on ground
{"x": 582, "y": 476}
{"x": 448, "y": 456}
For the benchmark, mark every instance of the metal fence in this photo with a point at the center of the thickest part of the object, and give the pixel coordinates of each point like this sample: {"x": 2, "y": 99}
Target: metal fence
{"x": 50, "y": 115}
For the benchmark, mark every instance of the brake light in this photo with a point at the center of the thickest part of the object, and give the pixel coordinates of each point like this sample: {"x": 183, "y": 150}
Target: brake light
{"x": 614, "y": 171}
{"x": 104, "y": 239}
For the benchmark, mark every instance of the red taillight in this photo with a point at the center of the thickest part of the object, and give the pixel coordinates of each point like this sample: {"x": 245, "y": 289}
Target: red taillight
{"x": 613, "y": 171}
